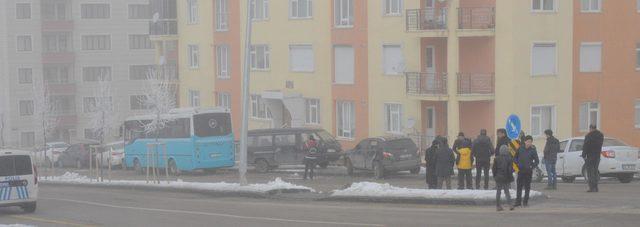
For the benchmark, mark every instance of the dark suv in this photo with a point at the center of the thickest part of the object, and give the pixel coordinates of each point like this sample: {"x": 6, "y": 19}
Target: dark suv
{"x": 269, "y": 148}
{"x": 384, "y": 154}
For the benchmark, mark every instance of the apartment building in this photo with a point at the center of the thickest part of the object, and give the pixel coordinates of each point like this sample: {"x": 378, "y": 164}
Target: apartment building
{"x": 422, "y": 68}
{"x": 60, "y": 51}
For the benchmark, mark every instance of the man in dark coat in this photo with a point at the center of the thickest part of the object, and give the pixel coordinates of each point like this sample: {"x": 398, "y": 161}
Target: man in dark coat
{"x": 591, "y": 154}
{"x": 482, "y": 151}
{"x": 458, "y": 143}
{"x": 503, "y": 175}
{"x": 502, "y": 140}
{"x": 527, "y": 160}
{"x": 445, "y": 160}
{"x": 551, "y": 149}
{"x": 429, "y": 158}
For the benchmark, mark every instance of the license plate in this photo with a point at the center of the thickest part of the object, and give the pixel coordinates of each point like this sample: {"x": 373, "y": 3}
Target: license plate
{"x": 405, "y": 156}
{"x": 629, "y": 167}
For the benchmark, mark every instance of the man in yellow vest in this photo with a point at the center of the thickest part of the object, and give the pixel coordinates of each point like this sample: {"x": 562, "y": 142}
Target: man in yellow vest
{"x": 465, "y": 164}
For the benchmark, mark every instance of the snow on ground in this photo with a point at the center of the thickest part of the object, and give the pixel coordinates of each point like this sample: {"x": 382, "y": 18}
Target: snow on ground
{"x": 15, "y": 225}
{"x": 370, "y": 189}
{"x": 277, "y": 184}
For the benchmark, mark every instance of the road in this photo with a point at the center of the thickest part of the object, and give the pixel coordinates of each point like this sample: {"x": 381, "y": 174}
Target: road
{"x": 78, "y": 206}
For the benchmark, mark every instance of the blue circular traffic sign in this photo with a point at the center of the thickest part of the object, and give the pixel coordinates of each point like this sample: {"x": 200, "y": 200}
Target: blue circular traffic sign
{"x": 513, "y": 126}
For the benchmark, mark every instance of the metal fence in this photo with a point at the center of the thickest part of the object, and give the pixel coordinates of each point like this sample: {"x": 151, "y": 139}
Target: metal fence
{"x": 421, "y": 83}
{"x": 426, "y": 19}
{"x": 474, "y": 83}
{"x": 163, "y": 27}
{"x": 476, "y": 18}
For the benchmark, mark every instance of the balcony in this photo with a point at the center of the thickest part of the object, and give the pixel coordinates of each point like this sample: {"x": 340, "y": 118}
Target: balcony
{"x": 476, "y": 21}
{"x": 426, "y": 84}
{"x": 69, "y": 119}
{"x": 66, "y": 57}
{"x": 61, "y": 89}
{"x": 432, "y": 20}
{"x": 57, "y": 25}
{"x": 167, "y": 28}
{"x": 476, "y": 85}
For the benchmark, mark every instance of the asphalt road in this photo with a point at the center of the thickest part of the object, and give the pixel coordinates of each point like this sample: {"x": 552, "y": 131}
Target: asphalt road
{"x": 617, "y": 205}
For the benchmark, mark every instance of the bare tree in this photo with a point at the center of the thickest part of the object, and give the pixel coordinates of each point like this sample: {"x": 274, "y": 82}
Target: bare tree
{"x": 46, "y": 111}
{"x": 103, "y": 116}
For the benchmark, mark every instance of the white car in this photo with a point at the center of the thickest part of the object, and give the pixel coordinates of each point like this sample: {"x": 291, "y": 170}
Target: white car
{"x": 113, "y": 153}
{"x": 18, "y": 180}
{"x": 52, "y": 152}
{"x": 618, "y": 160}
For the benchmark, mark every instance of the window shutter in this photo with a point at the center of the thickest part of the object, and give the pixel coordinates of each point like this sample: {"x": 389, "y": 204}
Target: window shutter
{"x": 590, "y": 57}
{"x": 393, "y": 59}
{"x": 344, "y": 65}
{"x": 544, "y": 59}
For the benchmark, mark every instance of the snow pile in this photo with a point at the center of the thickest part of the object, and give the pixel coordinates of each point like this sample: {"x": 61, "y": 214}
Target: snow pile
{"x": 277, "y": 184}
{"x": 370, "y": 189}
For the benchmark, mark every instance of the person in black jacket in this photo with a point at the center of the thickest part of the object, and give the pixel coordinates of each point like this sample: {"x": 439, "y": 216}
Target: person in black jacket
{"x": 503, "y": 175}
{"x": 445, "y": 160}
{"x": 591, "y": 153}
{"x": 482, "y": 151}
{"x": 527, "y": 160}
{"x": 551, "y": 149}
{"x": 458, "y": 142}
{"x": 430, "y": 160}
{"x": 502, "y": 140}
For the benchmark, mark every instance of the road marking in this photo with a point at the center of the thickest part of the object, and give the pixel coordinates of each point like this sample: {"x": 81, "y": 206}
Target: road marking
{"x": 213, "y": 214}
{"x": 49, "y": 221}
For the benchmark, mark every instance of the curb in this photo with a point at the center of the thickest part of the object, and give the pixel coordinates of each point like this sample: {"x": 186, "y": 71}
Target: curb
{"x": 420, "y": 200}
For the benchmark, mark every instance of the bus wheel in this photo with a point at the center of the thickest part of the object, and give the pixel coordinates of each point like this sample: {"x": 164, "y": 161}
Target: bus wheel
{"x": 262, "y": 166}
{"x": 173, "y": 168}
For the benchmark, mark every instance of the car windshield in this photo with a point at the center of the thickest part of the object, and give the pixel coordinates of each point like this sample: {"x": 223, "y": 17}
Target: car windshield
{"x": 58, "y": 145}
{"x": 400, "y": 144}
{"x": 15, "y": 165}
{"x": 613, "y": 143}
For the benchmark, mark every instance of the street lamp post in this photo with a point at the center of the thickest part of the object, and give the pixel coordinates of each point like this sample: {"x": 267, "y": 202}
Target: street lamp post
{"x": 245, "y": 98}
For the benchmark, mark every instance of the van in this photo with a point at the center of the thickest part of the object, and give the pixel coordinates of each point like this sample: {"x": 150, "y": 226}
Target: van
{"x": 18, "y": 180}
{"x": 269, "y": 148}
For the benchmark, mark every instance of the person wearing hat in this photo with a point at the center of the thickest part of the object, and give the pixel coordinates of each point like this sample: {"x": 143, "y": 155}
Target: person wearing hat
{"x": 458, "y": 142}
{"x": 526, "y": 160}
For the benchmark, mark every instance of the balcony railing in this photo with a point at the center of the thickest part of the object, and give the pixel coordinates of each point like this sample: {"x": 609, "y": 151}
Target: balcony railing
{"x": 163, "y": 27}
{"x": 424, "y": 83}
{"x": 426, "y": 19}
{"x": 477, "y": 18}
{"x": 475, "y": 84}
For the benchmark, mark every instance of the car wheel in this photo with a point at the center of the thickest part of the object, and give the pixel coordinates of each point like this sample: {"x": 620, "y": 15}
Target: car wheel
{"x": 48, "y": 163}
{"x": 262, "y": 166}
{"x": 29, "y": 208}
{"x": 625, "y": 177}
{"x": 538, "y": 175}
{"x": 78, "y": 164}
{"x": 349, "y": 165}
{"x": 323, "y": 165}
{"x": 415, "y": 170}
{"x": 136, "y": 166}
{"x": 378, "y": 170}
{"x": 568, "y": 179}
{"x": 173, "y": 168}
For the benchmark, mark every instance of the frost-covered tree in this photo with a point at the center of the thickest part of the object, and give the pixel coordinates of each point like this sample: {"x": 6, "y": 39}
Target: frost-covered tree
{"x": 45, "y": 111}
{"x": 103, "y": 116}
{"x": 160, "y": 98}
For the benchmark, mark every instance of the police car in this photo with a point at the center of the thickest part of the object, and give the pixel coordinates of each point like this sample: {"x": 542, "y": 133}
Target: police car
{"x": 18, "y": 180}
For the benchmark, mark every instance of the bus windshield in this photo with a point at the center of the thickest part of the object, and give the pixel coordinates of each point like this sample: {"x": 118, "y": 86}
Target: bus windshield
{"x": 212, "y": 124}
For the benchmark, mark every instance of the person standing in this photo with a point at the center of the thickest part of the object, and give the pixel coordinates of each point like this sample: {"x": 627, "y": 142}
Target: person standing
{"x": 458, "y": 142}
{"x": 465, "y": 163}
{"x": 551, "y": 149}
{"x": 503, "y": 175}
{"x": 445, "y": 160}
{"x": 311, "y": 157}
{"x": 482, "y": 150}
{"x": 591, "y": 154}
{"x": 502, "y": 140}
{"x": 430, "y": 161}
{"x": 527, "y": 160}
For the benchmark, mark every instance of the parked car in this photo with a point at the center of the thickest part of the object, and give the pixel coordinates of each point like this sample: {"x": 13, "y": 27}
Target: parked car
{"x": 269, "y": 148}
{"x": 618, "y": 160}
{"x": 19, "y": 180}
{"x": 53, "y": 152}
{"x": 77, "y": 155}
{"x": 384, "y": 154}
{"x": 112, "y": 153}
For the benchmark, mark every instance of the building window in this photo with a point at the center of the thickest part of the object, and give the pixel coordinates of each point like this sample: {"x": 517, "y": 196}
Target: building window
{"x": 56, "y": 74}
{"x": 192, "y": 11}
{"x": 53, "y": 10}
{"x": 140, "y": 42}
{"x": 27, "y": 139}
{"x": 590, "y": 57}
{"x": 590, "y": 6}
{"x": 346, "y": 119}
{"x": 393, "y": 60}
{"x": 260, "y": 57}
{"x": 23, "y": 43}
{"x": 95, "y": 11}
{"x": 25, "y": 75}
{"x": 259, "y": 109}
{"x": 543, "y": 5}
{"x": 312, "y": 111}
{"x": 56, "y": 42}
{"x": 301, "y": 9}
{"x": 194, "y": 56}
{"x": 638, "y": 5}
{"x": 638, "y": 55}
{"x": 260, "y": 9}
{"x": 542, "y": 118}
{"x": 26, "y": 107}
{"x": 637, "y": 113}
{"x": 589, "y": 115}
{"x": 96, "y": 42}
{"x": 139, "y": 72}
{"x": 343, "y": 12}
{"x": 222, "y": 15}
{"x": 543, "y": 62}
{"x": 224, "y": 100}
{"x": 139, "y": 11}
{"x": 194, "y": 98}
{"x": 23, "y": 11}
{"x": 91, "y": 104}
{"x": 96, "y": 73}
{"x": 137, "y": 102}
{"x": 393, "y": 7}
{"x": 91, "y": 134}
{"x": 301, "y": 58}
{"x": 344, "y": 62}
{"x": 222, "y": 61}
{"x": 393, "y": 117}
